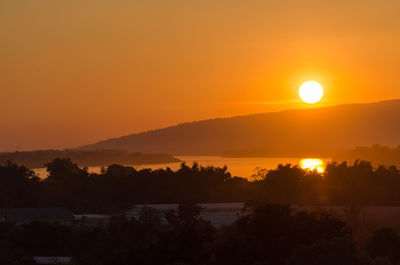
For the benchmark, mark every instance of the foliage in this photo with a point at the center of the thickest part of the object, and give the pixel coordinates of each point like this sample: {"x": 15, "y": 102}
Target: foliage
{"x": 118, "y": 187}
{"x": 267, "y": 234}
{"x": 332, "y": 252}
{"x": 271, "y": 232}
{"x": 385, "y": 242}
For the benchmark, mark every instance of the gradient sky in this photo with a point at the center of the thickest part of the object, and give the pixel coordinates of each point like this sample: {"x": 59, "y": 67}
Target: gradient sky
{"x": 75, "y": 72}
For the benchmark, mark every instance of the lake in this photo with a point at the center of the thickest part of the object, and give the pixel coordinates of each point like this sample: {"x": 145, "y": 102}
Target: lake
{"x": 237, "y": 166}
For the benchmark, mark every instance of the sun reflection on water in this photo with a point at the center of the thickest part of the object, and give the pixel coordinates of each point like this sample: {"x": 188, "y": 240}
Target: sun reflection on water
{"x": 312, "y": 164}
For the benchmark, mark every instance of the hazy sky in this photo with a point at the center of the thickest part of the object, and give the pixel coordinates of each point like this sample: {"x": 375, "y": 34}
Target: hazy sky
{"x": 74, "y": 72}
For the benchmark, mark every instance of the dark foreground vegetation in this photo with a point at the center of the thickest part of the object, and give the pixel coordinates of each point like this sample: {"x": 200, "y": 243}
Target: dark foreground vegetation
{"x": 268, "y": 234}
{"x": 38, "y": 159}
{"x": 118, "y": 187}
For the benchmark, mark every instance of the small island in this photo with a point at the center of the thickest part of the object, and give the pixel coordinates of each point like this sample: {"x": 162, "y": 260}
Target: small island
{"x": 377, "y": 154}
{"x": 37, "y": 159}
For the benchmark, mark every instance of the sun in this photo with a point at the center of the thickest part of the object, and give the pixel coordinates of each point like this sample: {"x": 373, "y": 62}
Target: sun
{"x": 312, "y": 164}
{"x": 311, "y": 92}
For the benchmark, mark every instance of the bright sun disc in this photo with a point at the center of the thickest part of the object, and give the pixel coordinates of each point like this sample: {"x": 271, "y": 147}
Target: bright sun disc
{"x": 312, "y": 164}
{"x": 311, "y": 92}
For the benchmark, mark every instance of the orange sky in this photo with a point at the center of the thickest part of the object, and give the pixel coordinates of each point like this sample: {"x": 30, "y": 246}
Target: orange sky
{"x": 75, "y": 72}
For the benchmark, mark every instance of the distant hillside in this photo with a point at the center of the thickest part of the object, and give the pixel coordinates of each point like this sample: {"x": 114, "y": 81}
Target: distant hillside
{"x": 378, "y": 155}
{"x": 37, "y": 159}
{"x": 301, "y": 132}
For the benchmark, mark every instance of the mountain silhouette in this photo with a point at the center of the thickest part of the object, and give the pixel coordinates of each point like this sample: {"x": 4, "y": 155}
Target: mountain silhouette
{"x": 296, "y": 133}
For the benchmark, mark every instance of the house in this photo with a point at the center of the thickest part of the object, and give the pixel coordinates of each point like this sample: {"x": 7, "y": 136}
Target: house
{"x": 217, "y": 213}
{"x": 28, "y": 215}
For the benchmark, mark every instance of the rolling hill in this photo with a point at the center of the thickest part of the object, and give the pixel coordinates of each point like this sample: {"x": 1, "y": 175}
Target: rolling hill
{"x": 290, "y": 133}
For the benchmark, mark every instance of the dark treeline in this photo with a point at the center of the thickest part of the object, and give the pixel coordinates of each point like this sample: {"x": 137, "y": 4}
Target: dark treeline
{"x": 117, "y": 187}
{"x": 267, "y": 234}
{"x": 38, "y": 159}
